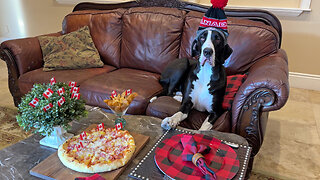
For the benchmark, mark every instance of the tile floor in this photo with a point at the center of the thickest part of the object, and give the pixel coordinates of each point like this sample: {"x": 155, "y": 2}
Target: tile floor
{"x": 291, "y": 149}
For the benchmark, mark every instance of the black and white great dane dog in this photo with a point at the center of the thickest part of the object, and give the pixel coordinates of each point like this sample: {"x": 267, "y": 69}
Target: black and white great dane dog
{"x": 202, "y": 82}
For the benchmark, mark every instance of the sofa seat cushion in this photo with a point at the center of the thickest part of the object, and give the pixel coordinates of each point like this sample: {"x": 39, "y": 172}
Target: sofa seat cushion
{"x": 27, "y": 80}
{"x": 98, "y": 88}
{"x": 166, "y": 106}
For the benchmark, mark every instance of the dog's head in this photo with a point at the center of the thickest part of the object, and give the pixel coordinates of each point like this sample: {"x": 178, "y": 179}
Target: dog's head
{"x": 211, "y": 45}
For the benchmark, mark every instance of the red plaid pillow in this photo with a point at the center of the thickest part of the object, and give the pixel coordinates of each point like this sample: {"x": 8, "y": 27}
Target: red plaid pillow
{"x": 233, "y": 84}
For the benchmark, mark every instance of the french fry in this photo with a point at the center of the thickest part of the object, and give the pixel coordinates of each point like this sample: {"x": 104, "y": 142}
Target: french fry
{"x": 131, "y": 97}
{"x": 116, "y": 103}
{"x": 117, "y": 109}
{"x": 123, "y": 107}
{"x": 126, "y": 102}
{"x": 110, "y": 103}
{"x": 120, "y": 102}
{"x": 123, "y": 94}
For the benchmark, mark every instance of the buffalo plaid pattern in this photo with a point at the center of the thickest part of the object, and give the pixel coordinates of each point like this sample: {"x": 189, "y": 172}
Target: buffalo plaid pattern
{"x": 233, "y": 84}
{"x": 191, "y": 152}
{"x": 221, "y": 158}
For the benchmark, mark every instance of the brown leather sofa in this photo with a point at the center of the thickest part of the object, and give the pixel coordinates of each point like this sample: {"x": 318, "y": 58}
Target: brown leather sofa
{"x": 136, "y": 43}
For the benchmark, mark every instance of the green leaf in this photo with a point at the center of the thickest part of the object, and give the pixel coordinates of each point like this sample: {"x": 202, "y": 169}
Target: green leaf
{"x": 37, "y": 120}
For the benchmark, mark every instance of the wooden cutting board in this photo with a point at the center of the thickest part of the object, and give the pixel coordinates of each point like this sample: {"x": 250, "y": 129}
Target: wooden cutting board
{"x": 52, "y": 168}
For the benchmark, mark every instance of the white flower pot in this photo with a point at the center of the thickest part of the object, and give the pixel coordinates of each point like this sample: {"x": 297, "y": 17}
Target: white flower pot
{"x": 57, "y": 137}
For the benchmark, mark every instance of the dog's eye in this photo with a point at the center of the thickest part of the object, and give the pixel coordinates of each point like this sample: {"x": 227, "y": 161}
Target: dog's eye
{"x": 216, "y": 37}
{"x": 217, "y": 41}
{"x": 202, "y": 39}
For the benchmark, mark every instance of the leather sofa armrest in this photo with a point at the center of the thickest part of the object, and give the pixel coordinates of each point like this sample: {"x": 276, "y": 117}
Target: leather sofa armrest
{"x": 268, "y": 74}
{"x": 265, "y": 89}
{"x": 26, "y": 53}
{"x": 21, "y": 56}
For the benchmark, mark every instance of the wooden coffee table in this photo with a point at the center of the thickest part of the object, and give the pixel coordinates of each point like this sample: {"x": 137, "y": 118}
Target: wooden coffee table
{"x": 17, "y": 160}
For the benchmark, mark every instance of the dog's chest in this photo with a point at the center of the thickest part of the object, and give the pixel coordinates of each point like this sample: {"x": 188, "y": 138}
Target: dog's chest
{"x": 200, "y": 96}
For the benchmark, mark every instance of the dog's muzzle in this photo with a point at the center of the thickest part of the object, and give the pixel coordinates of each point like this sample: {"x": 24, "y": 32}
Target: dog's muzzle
{"x": 207, "y": 53}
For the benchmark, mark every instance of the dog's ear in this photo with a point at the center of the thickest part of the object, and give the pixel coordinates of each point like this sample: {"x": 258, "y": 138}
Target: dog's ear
{"x": 227, "y": 51}
{"x": 195, "y": 51}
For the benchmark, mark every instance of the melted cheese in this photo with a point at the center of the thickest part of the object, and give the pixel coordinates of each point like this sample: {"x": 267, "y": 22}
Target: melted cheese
{"x": 100, "y": 146}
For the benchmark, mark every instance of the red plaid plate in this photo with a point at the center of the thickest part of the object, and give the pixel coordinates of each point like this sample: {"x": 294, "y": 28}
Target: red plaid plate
{"x": 221, "y": 158}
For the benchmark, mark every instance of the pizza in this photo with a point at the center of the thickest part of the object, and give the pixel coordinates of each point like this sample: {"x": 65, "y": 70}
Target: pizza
{"x": 97, "y": 150}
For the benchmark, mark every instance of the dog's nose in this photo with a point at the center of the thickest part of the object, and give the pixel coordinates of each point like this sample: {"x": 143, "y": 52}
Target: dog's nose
{"x": 207, "y": 52}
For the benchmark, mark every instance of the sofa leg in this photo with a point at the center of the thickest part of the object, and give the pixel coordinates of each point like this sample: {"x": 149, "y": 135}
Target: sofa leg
{"x": 16, "y": 100}
{"x": 13, "y": 75}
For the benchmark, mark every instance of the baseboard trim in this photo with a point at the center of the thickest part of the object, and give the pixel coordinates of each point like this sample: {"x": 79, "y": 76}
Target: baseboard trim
{"x": 304, "y": 81}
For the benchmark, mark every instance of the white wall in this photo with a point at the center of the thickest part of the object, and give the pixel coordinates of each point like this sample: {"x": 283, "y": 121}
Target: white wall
{"x": 12, "y": 22}
{"x": 25, "y": 18}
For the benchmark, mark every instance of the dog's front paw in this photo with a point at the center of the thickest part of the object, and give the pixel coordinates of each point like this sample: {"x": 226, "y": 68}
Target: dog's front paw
{"x": 169, "y": 122}
{"x": 178, "y": 98}
{"x": 205, "y": 126}
{"x": 165, "y": 123}
{"x": 153, "y": 99}
{"x": 174, "y": 122}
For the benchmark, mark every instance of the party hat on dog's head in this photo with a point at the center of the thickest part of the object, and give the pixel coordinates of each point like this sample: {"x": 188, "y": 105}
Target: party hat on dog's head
{"x": 215, "y": 16}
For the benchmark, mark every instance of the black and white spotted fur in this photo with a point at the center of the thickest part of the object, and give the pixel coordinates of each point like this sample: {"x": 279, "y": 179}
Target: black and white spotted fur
{"x": 202, "y": 82}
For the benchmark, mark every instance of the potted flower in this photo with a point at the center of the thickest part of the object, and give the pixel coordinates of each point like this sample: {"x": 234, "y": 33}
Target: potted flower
{"x": 49, "y": 108}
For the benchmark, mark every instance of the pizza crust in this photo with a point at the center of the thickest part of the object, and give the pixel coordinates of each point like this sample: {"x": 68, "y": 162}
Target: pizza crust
{"x": 75, "y": 165}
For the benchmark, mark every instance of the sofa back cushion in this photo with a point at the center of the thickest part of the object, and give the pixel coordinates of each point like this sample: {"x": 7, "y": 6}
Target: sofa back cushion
{"x": 250, "y": 40}
{"x": 105, "y": 28}
{"x": 151, "y": 37}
